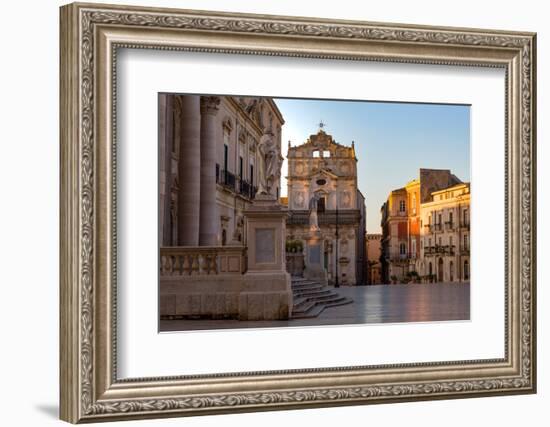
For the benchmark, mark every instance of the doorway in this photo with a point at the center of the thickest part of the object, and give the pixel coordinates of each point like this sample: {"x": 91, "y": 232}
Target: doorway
{"x": 440, "y": 270}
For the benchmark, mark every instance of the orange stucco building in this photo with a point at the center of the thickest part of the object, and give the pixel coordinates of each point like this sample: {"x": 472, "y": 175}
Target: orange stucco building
{"x": 404, "y": 229}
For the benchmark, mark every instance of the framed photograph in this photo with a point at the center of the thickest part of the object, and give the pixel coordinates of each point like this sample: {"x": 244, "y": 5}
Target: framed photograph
{"x": 267, "y": 212}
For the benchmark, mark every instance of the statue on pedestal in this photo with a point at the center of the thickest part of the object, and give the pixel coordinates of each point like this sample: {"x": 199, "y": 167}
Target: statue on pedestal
{"x": 269, "y": 169}
{"x": 313, "y": 219}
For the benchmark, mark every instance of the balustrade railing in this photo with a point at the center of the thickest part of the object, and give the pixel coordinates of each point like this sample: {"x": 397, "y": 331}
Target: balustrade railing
{"x": 439, "y": 249}
{"x": 450, "y": 225}
{"x": 435, "y": 227}
{"x": 202, "y": 260}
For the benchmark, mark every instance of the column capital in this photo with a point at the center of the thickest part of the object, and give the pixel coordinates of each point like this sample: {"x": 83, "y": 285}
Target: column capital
{"x": 210, "y": 104}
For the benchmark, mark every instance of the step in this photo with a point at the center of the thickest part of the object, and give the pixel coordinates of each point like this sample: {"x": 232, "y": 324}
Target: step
{"x": 304, "y": 281}
{"x": 313, "y": 312}
{"x": 306, "y": 306}
{"x": 311, "y": 293}
{"x": 323, "y": 298}
{"x": 306, "y": 284}
{"x": 344, "y": 301}
{"x": 308, "y": 288}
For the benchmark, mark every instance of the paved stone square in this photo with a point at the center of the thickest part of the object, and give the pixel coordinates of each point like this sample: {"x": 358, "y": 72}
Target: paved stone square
{"x": 371, "y": 304}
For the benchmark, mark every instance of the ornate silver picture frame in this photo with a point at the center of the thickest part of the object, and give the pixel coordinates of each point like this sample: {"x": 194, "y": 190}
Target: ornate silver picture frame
{"x": 91, "y": 36}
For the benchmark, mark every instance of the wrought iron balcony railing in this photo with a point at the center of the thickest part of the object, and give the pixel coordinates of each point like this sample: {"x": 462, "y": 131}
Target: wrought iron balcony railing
{"x": 234, "y": 183}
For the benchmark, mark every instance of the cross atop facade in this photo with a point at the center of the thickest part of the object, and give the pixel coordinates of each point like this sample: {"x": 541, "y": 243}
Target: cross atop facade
{"x": 322, "y": 124}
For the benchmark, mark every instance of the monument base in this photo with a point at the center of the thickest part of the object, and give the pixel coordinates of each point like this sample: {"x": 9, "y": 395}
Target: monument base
{"x": 266, "y": 293}
{"x": 265, "y": 296}
{"x": 315, "y": 269}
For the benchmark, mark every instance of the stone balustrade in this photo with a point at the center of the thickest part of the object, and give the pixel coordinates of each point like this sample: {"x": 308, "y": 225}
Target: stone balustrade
{"x": 202, "y": 260}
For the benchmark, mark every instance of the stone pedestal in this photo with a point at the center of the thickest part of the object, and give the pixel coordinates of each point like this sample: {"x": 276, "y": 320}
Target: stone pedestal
{"x": 266, "y": 293}
{"x": 314, "y": 259}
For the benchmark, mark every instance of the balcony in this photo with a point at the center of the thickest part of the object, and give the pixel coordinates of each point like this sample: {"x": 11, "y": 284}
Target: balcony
{"x": 399, "y": 258}
{"x": 450, "y": 225}
{"x": 465, "y": 225}
{"x": 233, "y": 183}
{"x": 429, "y": 250}
{"x": 434, "y": 228}
{"x": 244, "y": 188}
{"x": 439, "y": 250}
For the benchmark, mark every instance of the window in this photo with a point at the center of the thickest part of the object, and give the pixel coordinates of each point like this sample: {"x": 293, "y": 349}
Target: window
{"x": 326, "y": 153}
{"x": 451, "y": 217}
{"x": 413, "y": 250}
{"x": 430, "y": 241}
{"x": 450, "y": 240}
{"x": 439, "y": 218}
{"x": 465, "y": 241}
{"x": 241, "y": 167}
{"x": 316, "y": 153}
{"x": 439, "y": 241}
{"x": 251, "y": 174}
{"x": 225, "y": 156}
{"x": 402, "y": 206}
{"x": 414, "y": 204}
{"x": 402, "y": 249}
{"x": 466, "y": 270}
{"x": 465, "y": 216}
{"x": 321, "y": 204}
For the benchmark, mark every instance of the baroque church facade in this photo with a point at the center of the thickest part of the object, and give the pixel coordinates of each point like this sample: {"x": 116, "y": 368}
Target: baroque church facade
{"x": 322, "y": 175}
{"x": 209, "y": 165}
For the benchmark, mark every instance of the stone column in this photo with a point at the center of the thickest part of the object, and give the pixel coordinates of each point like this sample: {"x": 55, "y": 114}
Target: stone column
{"x": 163, "y": 176}
{"x": 166, "y": 137}
{"x": 189, "y": 171}
{"x": 209, "y": 219}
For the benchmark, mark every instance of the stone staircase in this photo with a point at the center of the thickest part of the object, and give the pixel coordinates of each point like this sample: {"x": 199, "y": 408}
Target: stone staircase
{"x": 311, "y": 298}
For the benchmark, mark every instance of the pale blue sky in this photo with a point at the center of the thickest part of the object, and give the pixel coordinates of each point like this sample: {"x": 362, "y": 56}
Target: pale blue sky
{"x": 392, "y": 141}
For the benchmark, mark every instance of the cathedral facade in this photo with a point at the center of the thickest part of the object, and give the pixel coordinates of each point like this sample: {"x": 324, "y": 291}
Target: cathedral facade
{"x": 209, "y": 165}
{"x": 322, "y": 175}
